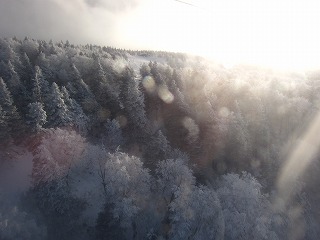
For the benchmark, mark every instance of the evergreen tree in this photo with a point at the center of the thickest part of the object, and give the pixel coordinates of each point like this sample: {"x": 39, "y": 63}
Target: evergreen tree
{"x": 79, "y": 118}
{"x": 74, "y": 73}
{"x": 81, "y": 92}
{"x": 144, "y": 70}
{"x": 14, "y": 80}
{"x": 16, "y": 87}
{"x": 112, "y": 138}
{"x": 31, "y": 48}
{"x": 44, "y": 64}
{"x": 5, "y": 96}
{"x": 238, "y": 144}
{"x": 43, "y": 84}
{"x": 4, "y": 131}
{"x": 35, "y": 85}
{"x": 58, "y": 113}
{"x": 4, "y": 70}
{"x": 7, "y": 52}
{"x": 28, "y": 69}
{"x": 157, "y": 148}
{"x": 99, "y": 77}
{"x": 133, "y": 100}
{"x": 9, "y": 110}
{"x": 104, "y": 88}
{"x": 36, "y": 117}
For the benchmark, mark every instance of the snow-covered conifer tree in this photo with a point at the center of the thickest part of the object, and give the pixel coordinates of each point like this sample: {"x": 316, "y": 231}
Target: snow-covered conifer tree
{"x": 57, "y": 111}
{"x": 36, "y": 117}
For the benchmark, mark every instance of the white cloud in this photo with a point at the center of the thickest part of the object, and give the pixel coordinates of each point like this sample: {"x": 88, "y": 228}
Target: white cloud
{"x": 112, "y": 5}
{"x": 79, "y": 21}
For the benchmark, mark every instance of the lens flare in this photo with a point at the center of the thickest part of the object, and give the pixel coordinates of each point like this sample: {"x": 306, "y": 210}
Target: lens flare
{"x": 122, "y": 120}
{"x": 165, "y": 95}
{"x": 302, "y": 155}
{"x": 149, "y": 84}
{"x": 224, "y": 112}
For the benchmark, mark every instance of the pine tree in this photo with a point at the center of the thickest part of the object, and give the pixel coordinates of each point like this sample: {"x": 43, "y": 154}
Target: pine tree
{"x": 16, "y": 87}
{"x": 44, "y": 64}
{"x": 4, "y": 70}
{"x": 157, "y": 148}
{"x": 112, "y": 138}
{"x": 104, "y": 88}
{"x": 144, "y": 70}
{"x": 58, "y": 113}
{"x": 31, "y": 48}
{"x": 35, "y": 86}
{"x": 4, "y": 133}
{"x": 74, "y": 73}
{"x": 14, "y": 80}
{"x": 133, "y": 100}
{"x": 81, "y": 92}
{"x": 9, "y": 110}
{"x": 7, "y": 53}
{"x": 79, "y": 118}
{"x": 5, "y": 96}
{"x": 27, "y": 71}
{"x": 99, "y": 77}
{"x": 43, "y": 84}
{"x": 36, "y": 117}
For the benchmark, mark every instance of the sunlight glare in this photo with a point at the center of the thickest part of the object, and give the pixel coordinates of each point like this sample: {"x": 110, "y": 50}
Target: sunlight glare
{"x": 300, "y": 158}
{"x": 268, "y": 33}
{"x": 149, "y": 84}
{"x": 165, "y": 95}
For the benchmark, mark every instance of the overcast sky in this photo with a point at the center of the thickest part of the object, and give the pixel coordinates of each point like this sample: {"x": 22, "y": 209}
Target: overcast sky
{"x": 277, "y": 33}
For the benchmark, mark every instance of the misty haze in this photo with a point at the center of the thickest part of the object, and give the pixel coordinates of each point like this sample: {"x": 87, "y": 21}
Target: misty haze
{"x": 159, "y": 119}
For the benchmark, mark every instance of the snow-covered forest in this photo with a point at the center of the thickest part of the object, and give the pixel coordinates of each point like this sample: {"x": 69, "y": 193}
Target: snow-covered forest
{"x": 104, "y": 143}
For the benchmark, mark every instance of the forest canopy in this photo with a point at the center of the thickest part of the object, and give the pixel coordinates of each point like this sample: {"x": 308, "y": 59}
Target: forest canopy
{"x": 120, "y": 144}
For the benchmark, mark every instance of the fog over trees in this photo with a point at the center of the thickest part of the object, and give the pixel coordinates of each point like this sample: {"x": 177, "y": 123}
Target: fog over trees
{"x": 104, "y": 143}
